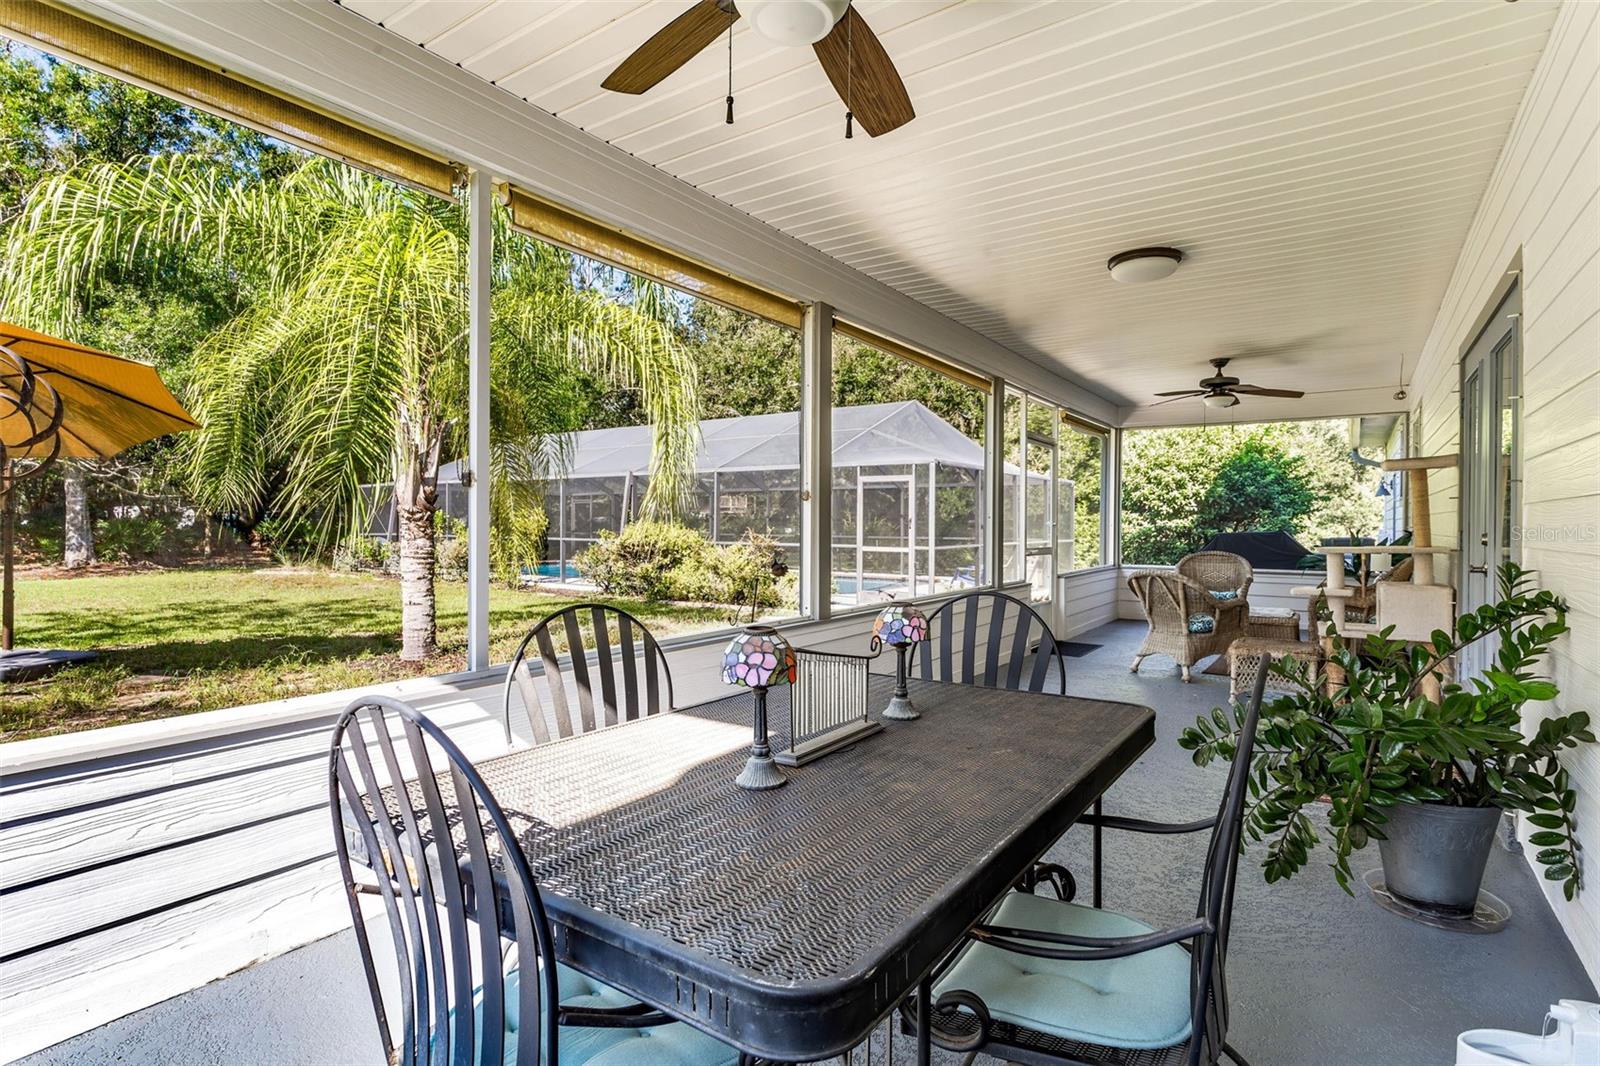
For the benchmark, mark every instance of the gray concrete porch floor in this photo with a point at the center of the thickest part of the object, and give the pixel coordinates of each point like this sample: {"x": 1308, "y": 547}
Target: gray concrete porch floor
{"x": 1316, "y": 977}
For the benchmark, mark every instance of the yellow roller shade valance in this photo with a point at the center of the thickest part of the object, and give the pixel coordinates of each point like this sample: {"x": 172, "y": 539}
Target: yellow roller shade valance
{"x": 72, "y": 37}
{"x": 912, "y": 355}
{"x": 568, "y": 229}
{"x": 1069, "y": 419}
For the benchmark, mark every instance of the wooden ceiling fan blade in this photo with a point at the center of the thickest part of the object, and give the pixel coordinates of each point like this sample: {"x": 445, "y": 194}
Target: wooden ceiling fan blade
{"x": 1183, "y": 392}
{"x": 864, "y": 76}
{"x": 672, "y": 46}
{"x": 1257, "y": 390}
{"x": 1174, "y": 399}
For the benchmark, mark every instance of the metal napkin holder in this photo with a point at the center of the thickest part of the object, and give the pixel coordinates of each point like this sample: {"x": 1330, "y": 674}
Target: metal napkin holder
{"x": 827, "y": 705}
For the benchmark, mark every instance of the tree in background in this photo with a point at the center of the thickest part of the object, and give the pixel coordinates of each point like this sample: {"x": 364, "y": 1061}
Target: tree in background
{"x": 1181, "y": 486}
{"x": 1082, "y": 459}
{"x": 55, "y": 117}
{"x": 1259, "y": 486}
{"x": 346, "y": 363}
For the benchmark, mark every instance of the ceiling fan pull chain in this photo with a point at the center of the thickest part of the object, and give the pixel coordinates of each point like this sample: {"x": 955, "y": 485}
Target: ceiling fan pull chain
{"x": 849, "y": 76}
{"x": 729, "y": 119}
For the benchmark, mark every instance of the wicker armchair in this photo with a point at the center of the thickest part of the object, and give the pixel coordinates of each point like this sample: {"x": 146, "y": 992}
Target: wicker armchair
{"x": 1225, "y": 576}
{"x": 1186, "y": 621}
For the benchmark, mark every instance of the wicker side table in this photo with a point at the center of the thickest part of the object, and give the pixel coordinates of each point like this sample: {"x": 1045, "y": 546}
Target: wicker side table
{"x": 1244, "y": 661}
{"x": 1274, "y": 623}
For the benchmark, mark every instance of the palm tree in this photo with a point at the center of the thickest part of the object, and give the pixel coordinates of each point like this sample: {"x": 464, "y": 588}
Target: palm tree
{"x": 347, "y": 361}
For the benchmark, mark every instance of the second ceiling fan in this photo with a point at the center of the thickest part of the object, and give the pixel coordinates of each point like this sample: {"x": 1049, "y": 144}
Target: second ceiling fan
{"x": 1224, "y": 390}
{"x": 861, "y": 71}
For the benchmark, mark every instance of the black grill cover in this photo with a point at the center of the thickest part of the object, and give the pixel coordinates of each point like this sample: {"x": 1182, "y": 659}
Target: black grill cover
{"x": 1266, "y": 550}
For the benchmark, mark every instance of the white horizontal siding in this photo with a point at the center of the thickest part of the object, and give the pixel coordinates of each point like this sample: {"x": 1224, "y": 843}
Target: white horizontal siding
{"x": 132, "y": 877}
{"x": 1542, "y": 203}
{"x": 1088, "y": 599}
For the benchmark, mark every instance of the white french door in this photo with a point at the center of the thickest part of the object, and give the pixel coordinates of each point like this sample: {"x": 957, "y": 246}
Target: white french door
{"x": 1491, "y": 474}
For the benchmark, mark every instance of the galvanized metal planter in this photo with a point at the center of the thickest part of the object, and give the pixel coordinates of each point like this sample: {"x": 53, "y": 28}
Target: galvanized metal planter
{"x": 1434, "y": 854}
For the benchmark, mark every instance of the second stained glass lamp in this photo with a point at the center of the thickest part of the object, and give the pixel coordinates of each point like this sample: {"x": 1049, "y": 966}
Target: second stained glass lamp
{"x": 902, "y": 627}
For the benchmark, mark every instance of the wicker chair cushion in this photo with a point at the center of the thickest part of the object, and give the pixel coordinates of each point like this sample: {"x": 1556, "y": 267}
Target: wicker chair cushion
{"x": 1138, "y": 1001}
{"x": 675, "y": 1044}
{"x": 1202, "y": 623}
{"x": 1225, "y": 594}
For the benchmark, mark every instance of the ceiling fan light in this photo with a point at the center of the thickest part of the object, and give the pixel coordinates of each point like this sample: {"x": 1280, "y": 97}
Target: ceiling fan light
{"x": 1144, "y": 264}
{"x": 793, "y": 22}
{"x": 1220, "y": 399}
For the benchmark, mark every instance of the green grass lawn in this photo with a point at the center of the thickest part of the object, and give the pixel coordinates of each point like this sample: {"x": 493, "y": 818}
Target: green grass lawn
{"x": 178, "y": 641}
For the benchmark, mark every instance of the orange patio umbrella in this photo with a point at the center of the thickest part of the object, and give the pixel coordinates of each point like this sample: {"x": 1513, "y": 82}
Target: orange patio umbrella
{"x": 63, "y": 400}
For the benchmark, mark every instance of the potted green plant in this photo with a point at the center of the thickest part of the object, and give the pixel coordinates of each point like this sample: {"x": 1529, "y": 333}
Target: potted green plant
{"x": 1428, "y": 780}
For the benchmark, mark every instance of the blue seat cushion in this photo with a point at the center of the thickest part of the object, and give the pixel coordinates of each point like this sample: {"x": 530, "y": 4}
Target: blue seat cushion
{"x": 1202, "y": 623}
{"x": 1138, "y": 1001}
{"x": 1225, "y": 594}
{"x": 674, "y": 1044}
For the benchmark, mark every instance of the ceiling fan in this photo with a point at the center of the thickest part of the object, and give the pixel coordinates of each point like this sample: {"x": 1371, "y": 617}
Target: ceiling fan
{"x": 861, "y": 71}
{"x": 1224, "y": 390}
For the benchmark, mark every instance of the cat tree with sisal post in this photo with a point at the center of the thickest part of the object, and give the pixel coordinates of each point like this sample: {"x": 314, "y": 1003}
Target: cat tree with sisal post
{"x": 1415, "y": 608}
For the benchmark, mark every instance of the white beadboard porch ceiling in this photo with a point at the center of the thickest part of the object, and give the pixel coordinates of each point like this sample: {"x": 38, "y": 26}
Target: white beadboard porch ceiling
{"x": 1318, "y": 163}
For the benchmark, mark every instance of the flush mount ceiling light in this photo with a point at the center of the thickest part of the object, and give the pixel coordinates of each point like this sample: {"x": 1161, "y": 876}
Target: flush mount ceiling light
{"x": 793, "y": 22}
{"x": 1144, "y": 264}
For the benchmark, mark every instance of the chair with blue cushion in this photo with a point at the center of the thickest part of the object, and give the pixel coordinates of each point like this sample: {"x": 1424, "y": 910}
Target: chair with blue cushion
{"x": 1186, "y": 620}
{"x": 997, "y": 641}
{"x": 1047, "y": 981}
{"x": 475, "y": 982}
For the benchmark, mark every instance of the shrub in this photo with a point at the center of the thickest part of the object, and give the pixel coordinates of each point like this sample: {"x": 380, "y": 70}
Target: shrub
{"x": 291, "y": 542}
{"x": 653, "y": 560}
{"x": 450, "y": 547}
{"x": 130, "y": 539}
{"x": 361, "y": 554}
{"x": 751, "y": 572}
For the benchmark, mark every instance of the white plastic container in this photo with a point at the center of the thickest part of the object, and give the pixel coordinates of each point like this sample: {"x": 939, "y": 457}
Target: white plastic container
{"x": 1574, "y": 1040}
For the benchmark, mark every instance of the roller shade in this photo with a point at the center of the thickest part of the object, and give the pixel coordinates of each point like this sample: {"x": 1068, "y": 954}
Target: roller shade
{"x": 1083, "y": 427}
{"x": 912, "y": 355}
{"x": 560, "y": 226}
{"x": 111, "y": 51}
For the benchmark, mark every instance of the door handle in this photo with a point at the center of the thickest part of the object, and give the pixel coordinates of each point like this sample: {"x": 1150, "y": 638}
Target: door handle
{"x": 1484, "y": 570}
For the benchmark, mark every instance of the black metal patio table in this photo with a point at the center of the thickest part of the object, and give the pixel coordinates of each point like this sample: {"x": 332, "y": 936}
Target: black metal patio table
{"x": 790, "y": 922}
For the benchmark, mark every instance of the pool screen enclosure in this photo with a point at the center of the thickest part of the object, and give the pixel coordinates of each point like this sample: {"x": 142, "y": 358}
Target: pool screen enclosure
{"x": 908, "y": 500}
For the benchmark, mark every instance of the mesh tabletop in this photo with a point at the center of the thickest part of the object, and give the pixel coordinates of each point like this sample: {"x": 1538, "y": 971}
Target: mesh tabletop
{"x": 832, "y": 893}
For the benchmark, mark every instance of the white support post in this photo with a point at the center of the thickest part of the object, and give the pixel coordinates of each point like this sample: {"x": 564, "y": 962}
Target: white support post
{"x": 933, "y": 526}
{"x": 994, "y": 435}
{"x": 816, "y": 463}
{"x": 1111, "y": 500}
{"x": 480, "y": 257}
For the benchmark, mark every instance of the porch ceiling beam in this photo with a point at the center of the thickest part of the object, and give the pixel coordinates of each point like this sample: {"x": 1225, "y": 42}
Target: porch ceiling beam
{"x": 331, "y": 57}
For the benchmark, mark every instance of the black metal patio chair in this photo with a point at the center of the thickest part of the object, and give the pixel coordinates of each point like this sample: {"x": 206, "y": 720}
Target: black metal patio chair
{"x": 614, "y": 672}
{"x": 959, "y": 633}
{"x": 476, "y": 980}
{"x": 967, "y": 646}
{"x": 1048, "y": 981}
